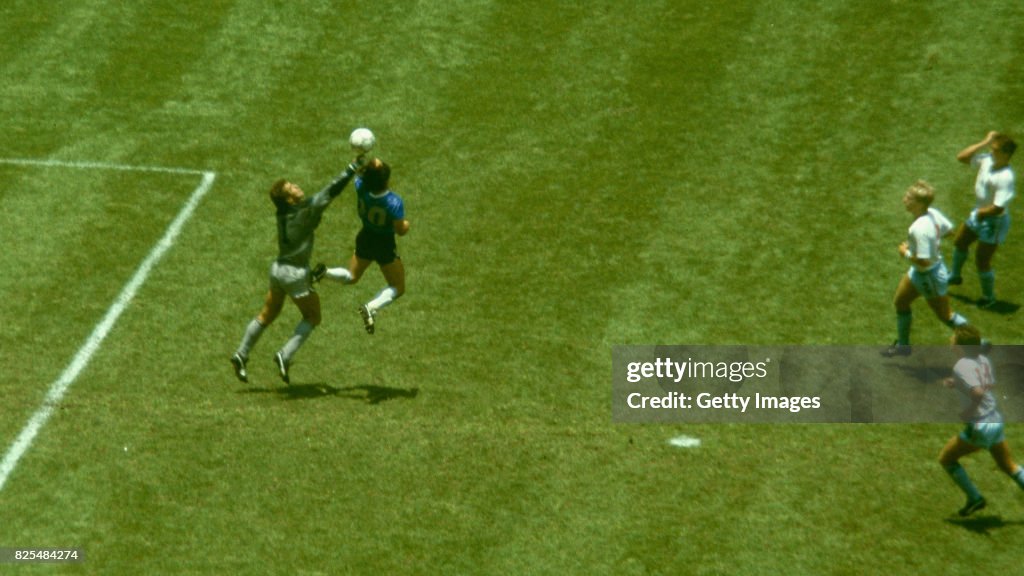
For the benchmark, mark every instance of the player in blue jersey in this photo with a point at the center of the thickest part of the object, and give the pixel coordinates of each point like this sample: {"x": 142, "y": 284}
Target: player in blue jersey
{"x": 974, "y": 379}
{"x": 298, "y": 217}
{"x": 383, "y": 216}
{"x": 989, "y": 222}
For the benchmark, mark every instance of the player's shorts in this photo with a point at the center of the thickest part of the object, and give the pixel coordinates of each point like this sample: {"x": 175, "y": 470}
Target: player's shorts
{"x": 992, "y": 230}
{"x": 380, "y": 248}
{"x": 983, "y": 434}
{"x": 931, "y": 283}
{"x": 294, "y": 281}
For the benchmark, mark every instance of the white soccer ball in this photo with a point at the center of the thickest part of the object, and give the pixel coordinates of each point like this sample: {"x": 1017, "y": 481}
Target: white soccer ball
{"x": 362, "y": 140}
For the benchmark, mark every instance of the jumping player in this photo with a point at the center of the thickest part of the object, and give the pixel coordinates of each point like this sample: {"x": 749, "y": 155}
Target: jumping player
{"x": 974, "y": 379}
{"x": 927, "y": 274}
{"x": 297, "y": 219}
{"x": 383, "y": 217}
{"x": 989, "y": 222}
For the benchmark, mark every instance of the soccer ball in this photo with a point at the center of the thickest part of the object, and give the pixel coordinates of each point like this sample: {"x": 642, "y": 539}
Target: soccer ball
{"x": 362, "y": 140}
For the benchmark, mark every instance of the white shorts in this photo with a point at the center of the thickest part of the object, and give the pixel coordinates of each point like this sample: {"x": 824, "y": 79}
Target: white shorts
{"x": 930, "y": 284}
{"x": 983, "y": 434}
{"x": 992, "y": 230}
{"x": 292, "y": 280}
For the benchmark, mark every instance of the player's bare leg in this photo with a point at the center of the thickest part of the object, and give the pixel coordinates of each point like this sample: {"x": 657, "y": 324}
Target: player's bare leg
{"x": 349, "y": 275}
{"x": 1001, "y": 454}
{"x": 394, "y": 274}
{"x": 942, "y": 308}
{"x": 272, "y": 306}
{"x": 955, "y": 449}
{"x": 906, "y": 293}
{"x": 357, "y": 266}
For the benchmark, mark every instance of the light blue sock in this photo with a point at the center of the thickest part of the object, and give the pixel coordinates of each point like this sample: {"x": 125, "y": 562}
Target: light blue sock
{"x": 903, "y": 320}
{"x": 959, "y": 257}
{"x": 959, "y": 475}
{"x": 988, "y": 284}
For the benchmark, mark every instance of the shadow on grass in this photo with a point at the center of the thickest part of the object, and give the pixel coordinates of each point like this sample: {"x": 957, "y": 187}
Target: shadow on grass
{"x": 983, "y": 525}
{"x": 376, "y": 394}
{"x": 928, "y": 375}
{"x": 368, "y": 393}
{"x": 999, "y": 307}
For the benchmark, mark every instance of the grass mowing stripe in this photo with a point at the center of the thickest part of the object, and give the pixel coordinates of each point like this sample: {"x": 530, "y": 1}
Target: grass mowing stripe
{"x": 85, "y": 353}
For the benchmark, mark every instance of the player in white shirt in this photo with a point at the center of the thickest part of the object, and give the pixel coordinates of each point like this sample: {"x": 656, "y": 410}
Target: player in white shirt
{"x": 927, "y": 274}
{"x": 989, "y": 222}
{"x": 974, "y": 378}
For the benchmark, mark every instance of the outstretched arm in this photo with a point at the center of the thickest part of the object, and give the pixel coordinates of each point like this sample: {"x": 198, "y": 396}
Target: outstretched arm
{"x": 324, "y": 197}
{"x": 339, "y": 183}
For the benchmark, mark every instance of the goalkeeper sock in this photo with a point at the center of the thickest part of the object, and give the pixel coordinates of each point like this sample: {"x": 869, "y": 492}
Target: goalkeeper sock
{"x": 252, "y": 334}
{"x": 302, "y": 332}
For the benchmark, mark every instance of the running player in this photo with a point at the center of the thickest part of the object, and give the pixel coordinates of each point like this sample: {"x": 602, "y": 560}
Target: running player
{"x": 927, "y": 274}
{"x": 297, "y": 219}
{"x": 383, "y": 216}
{"x": 989, "y": 222}
{"x": 974, "y": 379}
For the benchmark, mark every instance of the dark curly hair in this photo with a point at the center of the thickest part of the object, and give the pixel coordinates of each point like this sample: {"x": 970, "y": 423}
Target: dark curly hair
{"x": 376, "y": 176}
{"x": 1005, "y": 144}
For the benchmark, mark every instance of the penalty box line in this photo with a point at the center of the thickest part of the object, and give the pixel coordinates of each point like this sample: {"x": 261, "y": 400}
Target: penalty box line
{"x": 61, "y": 385}
{"x": 99, "y": 166}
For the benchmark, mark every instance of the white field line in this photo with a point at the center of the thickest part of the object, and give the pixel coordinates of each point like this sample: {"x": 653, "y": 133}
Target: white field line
{"x": 60, "y": 386}
{"x": 99, "y": 166}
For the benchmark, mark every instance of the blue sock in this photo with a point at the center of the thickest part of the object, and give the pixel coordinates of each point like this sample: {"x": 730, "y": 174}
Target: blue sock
{"x": 903, "y": 327}
{"x": 988, "y": 284}
{"x": 959, "y": 475}
{"x": 959, "y": 257}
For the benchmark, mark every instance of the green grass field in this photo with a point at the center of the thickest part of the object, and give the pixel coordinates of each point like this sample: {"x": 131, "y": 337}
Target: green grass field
{"x": 578, "y": 176}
